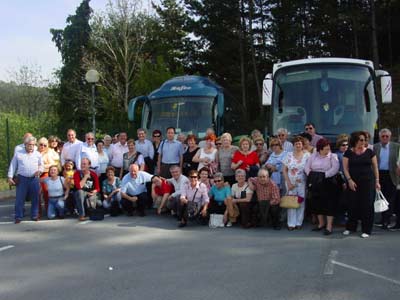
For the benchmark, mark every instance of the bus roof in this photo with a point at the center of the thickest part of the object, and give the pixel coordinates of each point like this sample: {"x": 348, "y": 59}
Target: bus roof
{"x": 323, "y": 60}
{"x": 184, "y": 86}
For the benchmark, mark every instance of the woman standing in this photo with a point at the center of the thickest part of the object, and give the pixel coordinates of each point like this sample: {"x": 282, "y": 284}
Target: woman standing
{"x": 206, "y": 157}
{"x": 274, "y": 163}
{"x": 360, "y": 168}
{"x": 47, "y": 162}
{"x": 293, "y": 172}
{"x": 225, "y": 155}
{"x": 103, "y": 161}
{"x": 261, "y": 151}
{"x": 190, "y": 152}
{"x": 245, "y": 159}
{"x": 54, "y": 151}
{"x": 321, "y": 168}
{"x": 131, "y": 157}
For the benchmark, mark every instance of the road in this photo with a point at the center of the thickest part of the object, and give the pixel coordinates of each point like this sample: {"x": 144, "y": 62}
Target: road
{"x": 150, "y": 258}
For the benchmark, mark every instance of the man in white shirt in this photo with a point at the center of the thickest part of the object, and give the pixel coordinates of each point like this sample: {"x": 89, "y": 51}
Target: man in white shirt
{"x": 88, "y": 149}
{"x": 71, "y": 147}
{"x": 116, "y": 152}
{"x": 178, "y": 180}
{"x": 146, "y": 148}
{"x": 22, "y": 146}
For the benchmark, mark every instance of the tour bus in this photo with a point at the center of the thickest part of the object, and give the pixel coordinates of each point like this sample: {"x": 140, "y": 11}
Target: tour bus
{"x": 338, "y": 95}
{"x": 191, "y": 104}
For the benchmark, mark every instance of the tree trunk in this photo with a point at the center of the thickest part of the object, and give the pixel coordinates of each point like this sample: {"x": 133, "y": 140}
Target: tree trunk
{"x": 375, "y": 54}
{"x": 242, "y": 60}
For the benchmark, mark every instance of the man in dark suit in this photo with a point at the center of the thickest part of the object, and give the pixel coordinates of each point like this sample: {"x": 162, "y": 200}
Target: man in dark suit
{"x": 387, "y": 153}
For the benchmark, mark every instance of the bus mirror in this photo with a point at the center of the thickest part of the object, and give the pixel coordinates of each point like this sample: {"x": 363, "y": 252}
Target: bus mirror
{"x": 267, "y": 90}
{"x": 133, "y": 104}
{"x": 386, "y": 89}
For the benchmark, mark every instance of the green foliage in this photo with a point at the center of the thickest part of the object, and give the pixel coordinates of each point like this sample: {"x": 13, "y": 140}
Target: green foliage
{"x": 43, "y": 125}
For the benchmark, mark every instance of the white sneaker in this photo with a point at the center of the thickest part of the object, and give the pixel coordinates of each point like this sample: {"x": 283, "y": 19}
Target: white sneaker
{"x": 346, "y": 232}
{"x": 364, "y": 235}
{"x": 229, "y": 224}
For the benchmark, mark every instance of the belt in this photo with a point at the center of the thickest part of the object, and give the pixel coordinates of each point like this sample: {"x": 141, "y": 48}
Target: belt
{"x": 384, "y": 171}
{"x": 56, "y": 196}
{"x": 30, "y": 177}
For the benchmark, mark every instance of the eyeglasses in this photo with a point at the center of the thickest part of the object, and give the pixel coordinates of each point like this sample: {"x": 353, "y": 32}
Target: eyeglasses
{"x": 43, "y": 145}
{"x": 156, "y": 135}
{"x": 218, "y": 144}
{"x": 90, "y": 139}
{"x": 193, "y": 176}
{"x": 309, "y": 128}
{"x": 344, "y": 145}
{"x": 384, "y": 136}
{"x": 281, "y": 134}
{"x": 272, "y": 145}
{"x": 259, "y": 144}
{"x": 218, "y": 180}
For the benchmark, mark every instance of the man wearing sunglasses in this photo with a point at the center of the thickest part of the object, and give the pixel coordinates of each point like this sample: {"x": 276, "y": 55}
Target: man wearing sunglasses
{"x": 88, "y": 149}
{"x": 310, "y": 129}
{"x": 387, "y": 153}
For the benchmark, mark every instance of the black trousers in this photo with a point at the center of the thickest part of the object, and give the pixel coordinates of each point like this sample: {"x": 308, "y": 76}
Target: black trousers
{"x": 389, "y": 191}
{"x": 140, "y": 204}
{"x": 361, "y": 206}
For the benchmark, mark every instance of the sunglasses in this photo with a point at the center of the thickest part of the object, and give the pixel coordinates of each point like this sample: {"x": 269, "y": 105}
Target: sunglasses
{"x": 44, "y": 145}
{"x": 259, "y": 144}
{"x": 384, "y": 136}
{"x": 216, "y": 181}
{"x": 272, "y": 145}
{"x": 218, "y": 144}
{"x": 90, "y": 139}
{"x": 193, "y": 176}
{"x": 344, "y": 145}
{"x": 281, "y": 134}
{"x": 309, "y": 128}
{"x": 156, "y": 135}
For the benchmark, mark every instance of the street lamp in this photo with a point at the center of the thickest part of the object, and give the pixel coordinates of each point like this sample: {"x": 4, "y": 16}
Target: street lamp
{"x": 92, "y": 76}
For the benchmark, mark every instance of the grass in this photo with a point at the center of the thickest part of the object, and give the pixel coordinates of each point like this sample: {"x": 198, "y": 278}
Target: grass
{"x": 4, "y": 184}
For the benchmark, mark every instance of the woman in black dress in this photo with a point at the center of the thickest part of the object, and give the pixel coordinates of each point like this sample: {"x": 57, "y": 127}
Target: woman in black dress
{"x": 360, "y": 168}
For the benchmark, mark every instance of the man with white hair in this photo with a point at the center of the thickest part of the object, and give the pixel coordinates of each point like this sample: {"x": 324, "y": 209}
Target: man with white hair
{"x": 28, "y": 165}
{"x": 282, "y": 134}
{"x": 71, "y": 147}
{"x": 88, "y": 149}
{"x": 387, "y": 153}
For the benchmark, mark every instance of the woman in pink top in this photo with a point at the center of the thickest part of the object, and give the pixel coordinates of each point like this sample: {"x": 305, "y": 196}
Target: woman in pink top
{"x": 321, "y": 169}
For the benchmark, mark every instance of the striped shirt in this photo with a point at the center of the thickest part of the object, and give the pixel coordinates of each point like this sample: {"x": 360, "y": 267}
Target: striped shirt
{"x": 266, "y": 192}
{"x": 26, "y": 164}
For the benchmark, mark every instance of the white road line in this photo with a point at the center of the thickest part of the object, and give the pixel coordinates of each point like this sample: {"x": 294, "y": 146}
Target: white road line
{"x": 365, "y": 272}
{"x": 328, "y": 270}
{"x": 7, "y": 205}
{"x": 6, "y": 223}
{"x": 85, "y": 222}
{"x": 6, "y": 248}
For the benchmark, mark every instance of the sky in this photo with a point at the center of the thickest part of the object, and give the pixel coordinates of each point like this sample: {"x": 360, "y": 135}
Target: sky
{"x": 25, "y": 37}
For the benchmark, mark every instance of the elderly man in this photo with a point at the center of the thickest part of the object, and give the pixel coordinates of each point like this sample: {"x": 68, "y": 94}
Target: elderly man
{"x": 116, "y": 152}
{"x": 170, "y": 154}
{"x": 268, "y": 198}
{"x": 310, "y": 129}
{"x": 27, "y": 164}
{"x": 282, "y": 134}
{"x": 146, "y": 148}
{"x": 87, "y": 188}
{"x": 22, "y": 146}
{"x": 134, "y": 191}
{"x": 178, "y": 181}
{"x": 88, "y": 149}
{"x": 70, "y": 148}
{"x": 387, "y": 153}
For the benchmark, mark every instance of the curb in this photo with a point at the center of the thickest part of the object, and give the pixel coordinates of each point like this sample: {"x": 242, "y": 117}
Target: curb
{"x": 7, "y": 195}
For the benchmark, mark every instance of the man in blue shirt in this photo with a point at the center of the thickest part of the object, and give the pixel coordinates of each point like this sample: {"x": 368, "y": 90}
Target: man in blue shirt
{"x": 170, "y": 153}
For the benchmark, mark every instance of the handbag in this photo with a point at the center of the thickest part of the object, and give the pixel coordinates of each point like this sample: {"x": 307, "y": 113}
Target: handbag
{"x": 380, "y": 204}
{"x": 289, "y": 202}
{"x": 96, "y": 214}
{"x": 216, "y": 220}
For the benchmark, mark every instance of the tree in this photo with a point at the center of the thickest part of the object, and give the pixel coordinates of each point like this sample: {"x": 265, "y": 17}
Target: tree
{"x": 73, "y": 93}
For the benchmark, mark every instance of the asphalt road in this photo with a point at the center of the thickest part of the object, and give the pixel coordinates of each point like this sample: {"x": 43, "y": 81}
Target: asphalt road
{"x": 150, "y": 258}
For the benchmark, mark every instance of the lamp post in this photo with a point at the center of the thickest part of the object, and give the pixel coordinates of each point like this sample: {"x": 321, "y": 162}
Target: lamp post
{"x": 92, "y": 76}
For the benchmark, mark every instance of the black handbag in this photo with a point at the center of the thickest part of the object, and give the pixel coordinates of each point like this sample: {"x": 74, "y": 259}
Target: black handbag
{"x": 96, "y": 214}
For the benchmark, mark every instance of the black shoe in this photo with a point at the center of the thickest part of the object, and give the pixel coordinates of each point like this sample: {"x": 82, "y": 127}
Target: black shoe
{"x": 181, "y": 225}
{"x": 327, "y": 232}
{"x": 318, "y": 228}
{"x": 141, "y": 213}
{"x": 384, "y": 227}
{"x": 129, "y": 213}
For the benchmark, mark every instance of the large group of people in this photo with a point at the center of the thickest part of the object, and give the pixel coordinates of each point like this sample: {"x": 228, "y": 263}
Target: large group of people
{"x": 191, "y": 179}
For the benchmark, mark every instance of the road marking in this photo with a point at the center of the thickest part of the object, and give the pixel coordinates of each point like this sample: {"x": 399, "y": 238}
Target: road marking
{"x": 6, "y": 248}
{"x": 85, "y": 222}
{"x": 6, "y": 223}
{"x": 7, "y": 205}
{"x": 328, "y": 270}
{"x": 365, "y": 272}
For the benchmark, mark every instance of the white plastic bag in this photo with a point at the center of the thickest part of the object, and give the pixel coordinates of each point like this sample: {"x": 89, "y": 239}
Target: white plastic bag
{"x": 380, "y": 204}
{"x": 216, "y": 221}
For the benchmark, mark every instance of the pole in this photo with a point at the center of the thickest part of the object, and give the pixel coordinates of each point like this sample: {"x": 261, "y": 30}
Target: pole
{"x": 8, "y": 143}
{"x": 94, "y": 108}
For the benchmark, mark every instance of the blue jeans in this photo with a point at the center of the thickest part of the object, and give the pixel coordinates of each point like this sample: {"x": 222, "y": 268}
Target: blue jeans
{"x": 27, "y": 187}
{"x": 56, "y": 206}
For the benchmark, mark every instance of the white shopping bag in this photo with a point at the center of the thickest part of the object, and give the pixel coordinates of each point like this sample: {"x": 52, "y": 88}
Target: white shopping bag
{"x": 380, "y": 204}
{"x": 216, "y": 221}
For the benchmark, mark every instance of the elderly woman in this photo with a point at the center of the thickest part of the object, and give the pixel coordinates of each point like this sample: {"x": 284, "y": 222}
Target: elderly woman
{"x": 360, "y": 167}
{"x": 293, "y": 172}
{"x": 58, "y": 192}
{"x": 103, "y": 161}
{"x": 111, "y": 187}
{"x": 321, "y": 169}
{"x": 221, "y": 194}
{"x": 307, "y": 138}
{"x": 261, "y": 150}
{"x": 194, "y": 200}
{"x": 190, "y": 152}
{"x": 204, "y": 177}
{"x": 131, "y": 157}
{"x": 245, "y": 159}
{"x": 48, "y": 161}
{"x": 241, "y": 197}
{"x": 207, "y": 156}
{"x": 282, "y": 134}
{"x": 225, "y": 154}
{"x": 274, "y": 163}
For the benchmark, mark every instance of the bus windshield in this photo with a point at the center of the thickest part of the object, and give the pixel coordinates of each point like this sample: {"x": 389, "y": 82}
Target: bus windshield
{"x": 337, "y": 98}
{"x": 187, "y": 114}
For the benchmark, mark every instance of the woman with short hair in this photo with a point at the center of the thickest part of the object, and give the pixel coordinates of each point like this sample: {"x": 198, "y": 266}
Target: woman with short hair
{"x": 241, "y": 197}
{"x": 274, "y": 163}
{"x": 246, "y": 159}
{"x": 224, "y": 155}
{"x": 190, "y": 152}
{"x": 58, "y": 192}
{"x": 220, "y": 193}
{"x": 207, "y": 156}
{"x": 111, "y": 187}
{"x": 131, "y": 157}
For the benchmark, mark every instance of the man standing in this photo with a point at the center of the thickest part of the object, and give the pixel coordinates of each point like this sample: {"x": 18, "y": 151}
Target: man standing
{"x": 170, "y": 154}
{"x": 88, "y": 149}
{"x": 116, "y": 152}
{"x": 27, "y": 164}
{"x": 387, "y": 153}
{"x": 282, "y": 134}
{"x": 310, "y": 129}
{"x": 70, "y": 148}
{"x": 134, "y": 191}
{"x": 146, "y": 148}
